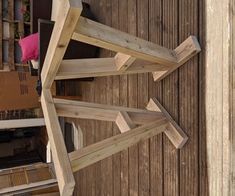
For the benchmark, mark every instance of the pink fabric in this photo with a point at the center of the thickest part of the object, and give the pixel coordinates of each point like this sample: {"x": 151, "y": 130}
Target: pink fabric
{"x": 29, "y": 47}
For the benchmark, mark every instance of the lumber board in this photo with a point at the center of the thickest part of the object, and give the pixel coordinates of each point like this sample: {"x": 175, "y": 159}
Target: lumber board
{"x": 61, "y": 161}
{"x": 85, "y": 110}
{"x": 123, "y": 86}
{"x": 170, "y": 100}
{"x": 26, "y": 188}
{"x": 188, "y": 103}
{"x": 123, "y": 61}
{"x": 185, "y": 51}
{"x": 155, "y": 90}
{"x": 92, "y": 32}
{"x": 124, "y": 122}
{"x": 142, "y": 99}
{"x": 62, "y": 32}
{"x": 173, "y": 131}
{"x": 97, "y": 67}
{"x": 20, "y": 123}
{"x": 96, "y": 152}
{"x": 117, "y": 158}
{"x": 132, "y": 97}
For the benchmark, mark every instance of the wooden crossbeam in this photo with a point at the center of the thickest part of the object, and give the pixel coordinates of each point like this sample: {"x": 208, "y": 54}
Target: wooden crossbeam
{"x": 189, "y": 48}
{"x": 61, "y": 161}
{"x": 27, "y": 188}
{"x": 19, "y": 123}
{"x": 106, "y": 37}
{"x": 101, "y": 150}
{"x": 69, "y": 12}
{"x": 173, "y": 131}
{"x": 82, "y": 68}
{"x": 124, "y": 122}
{"x": 85, "y": 110}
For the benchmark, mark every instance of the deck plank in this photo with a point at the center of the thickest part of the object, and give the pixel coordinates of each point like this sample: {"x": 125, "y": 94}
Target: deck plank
{"x": 170, "y": 98}
{"x": 155, "y": 90}
{"x": 123, "y": 95}
{"x": 132, "y": 102}
{"x": 188, "y": 102}
{"x": 143, "y": 98}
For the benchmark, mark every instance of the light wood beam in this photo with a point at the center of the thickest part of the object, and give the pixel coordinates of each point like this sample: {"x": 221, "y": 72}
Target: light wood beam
{"x": 69, "y": 12}
{"x": 189, "y": 48}
{"x": 106, "y": 37}
{"x": 97, "y": 67}
{"x": 26, "y": 188}
{"x": 85, "y": 110}
{"x": 124, "y": 122}
{"x": 173, "y": 131}
{"x": 20, "y": 123}
{"x": 61, "y": 161}
{"x": 123, "y": 61}
{"x": 101, "y": 150}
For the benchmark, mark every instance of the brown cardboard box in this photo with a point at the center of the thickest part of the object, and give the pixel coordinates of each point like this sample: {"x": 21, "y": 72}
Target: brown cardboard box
{"x": 18, "y": 91}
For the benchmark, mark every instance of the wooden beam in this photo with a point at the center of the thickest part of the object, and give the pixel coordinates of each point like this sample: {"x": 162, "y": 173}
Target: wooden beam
{"x": 123, "y": 61}
{"x": 84, "y": 110}
{"x": 189, "y": 48}
{"x": 26, "y": 188}
{"x": 61, "y": 161}
{"x": 173, "y": 131}
{"x": 101, "y": 150}
{"x": 69, "y": 12}
{"x": 124, "y": 122}
{"x": 21, "y": 123}
{"x": 106, "y": 37}
{"x": 83, "y": 68}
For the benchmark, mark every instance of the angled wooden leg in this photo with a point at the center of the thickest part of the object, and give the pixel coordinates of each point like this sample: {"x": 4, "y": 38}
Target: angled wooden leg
{"x": 69, "y": 12}
{"x": 189, "y": 48}
{"x": 173, "y": 131}
{"x": 62, "y": 165}
{"x": 103, "y": 149}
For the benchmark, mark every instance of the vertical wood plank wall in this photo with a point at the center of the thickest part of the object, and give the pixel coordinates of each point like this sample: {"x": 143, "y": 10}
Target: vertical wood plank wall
{"x": 153, "y": 167}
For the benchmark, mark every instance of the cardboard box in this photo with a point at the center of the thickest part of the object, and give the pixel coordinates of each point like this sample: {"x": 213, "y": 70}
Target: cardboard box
{"x": 18, "y": 91}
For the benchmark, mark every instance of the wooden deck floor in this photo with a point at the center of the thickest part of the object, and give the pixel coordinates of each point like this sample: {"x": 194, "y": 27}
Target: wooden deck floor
{"x": 153, "y": 167}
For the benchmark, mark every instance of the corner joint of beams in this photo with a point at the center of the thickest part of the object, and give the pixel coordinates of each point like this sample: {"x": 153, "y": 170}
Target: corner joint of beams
{"x": 173, "y": 131}
{"x": 124, "y": 122}
{"x": 184, "y": 52}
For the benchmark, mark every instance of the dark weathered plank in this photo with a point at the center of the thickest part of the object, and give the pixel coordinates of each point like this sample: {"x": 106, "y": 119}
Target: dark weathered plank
{"x": 116, "y": 86}
{"x": 203, "y": 175}
{"x": 155, "y": 90}
{"x": 188, "y": 102}
{"x": 144, "y": 184}
{"x": 123, "y": 93}
{"x": 132, "y": 101}
{"x": 170, "y": 98}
